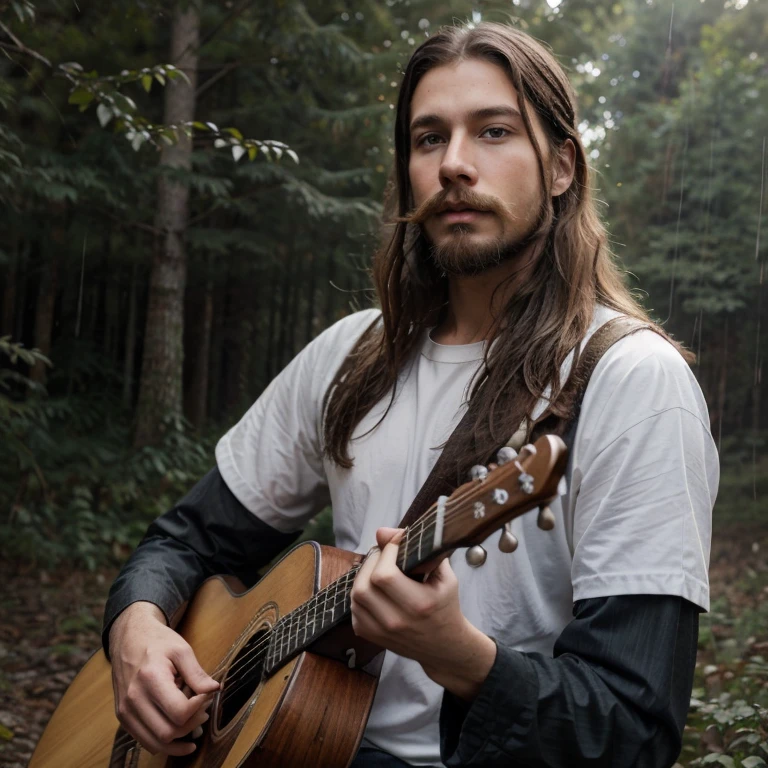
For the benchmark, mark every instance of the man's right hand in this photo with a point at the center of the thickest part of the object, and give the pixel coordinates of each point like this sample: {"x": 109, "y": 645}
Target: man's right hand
{"x": 151, "y": 664}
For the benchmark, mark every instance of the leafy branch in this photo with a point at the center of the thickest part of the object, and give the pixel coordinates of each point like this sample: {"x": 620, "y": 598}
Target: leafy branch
{"x": 112, "y": 104}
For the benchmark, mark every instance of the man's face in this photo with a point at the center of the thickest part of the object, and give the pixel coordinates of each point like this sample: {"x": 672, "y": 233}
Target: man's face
{"x": 475, "y": 161}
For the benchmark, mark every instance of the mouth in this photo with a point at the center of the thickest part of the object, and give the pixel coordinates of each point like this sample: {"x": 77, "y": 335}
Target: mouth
{"x": 465, "y": 214}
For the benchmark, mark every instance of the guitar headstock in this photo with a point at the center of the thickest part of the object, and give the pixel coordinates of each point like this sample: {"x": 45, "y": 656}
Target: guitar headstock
{"x": 486, "y": 503}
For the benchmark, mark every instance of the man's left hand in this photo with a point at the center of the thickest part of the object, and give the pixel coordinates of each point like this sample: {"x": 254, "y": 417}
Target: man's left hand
{"x": 420, "y": 620}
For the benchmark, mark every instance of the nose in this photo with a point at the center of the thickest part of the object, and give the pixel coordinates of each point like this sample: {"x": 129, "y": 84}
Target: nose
{"x": 457, "y": 166}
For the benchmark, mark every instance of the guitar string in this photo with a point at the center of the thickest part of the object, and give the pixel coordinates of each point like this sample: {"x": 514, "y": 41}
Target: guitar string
{"x": 428, "y": 521}
{"x": 452, "y": 509}
{"x": 253, "y": 657}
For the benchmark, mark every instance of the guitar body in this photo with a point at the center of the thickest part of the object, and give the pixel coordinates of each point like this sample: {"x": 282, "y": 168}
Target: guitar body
{"x": 310, "y": 712}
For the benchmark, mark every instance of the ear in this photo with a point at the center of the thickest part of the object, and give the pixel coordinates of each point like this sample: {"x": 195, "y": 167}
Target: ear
{"x": 563, "y": 168}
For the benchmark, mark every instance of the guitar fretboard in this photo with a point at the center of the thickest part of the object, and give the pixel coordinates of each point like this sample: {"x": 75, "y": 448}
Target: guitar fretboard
{"x": 297, "y": 630}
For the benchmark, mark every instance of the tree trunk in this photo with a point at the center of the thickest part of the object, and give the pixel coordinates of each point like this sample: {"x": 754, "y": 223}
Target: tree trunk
{"x": 198, "y": 398}
{"x": 330, "y": 296}
{"x": 269, "y": 368}
{"x": 284, "y": 317}
{"x": 44, "y": 310}
{"x": 160, "y": 389}
{"x": 9, "y": 297}
{"x": 309, "y": 327}
{"x": 129, "y": 360}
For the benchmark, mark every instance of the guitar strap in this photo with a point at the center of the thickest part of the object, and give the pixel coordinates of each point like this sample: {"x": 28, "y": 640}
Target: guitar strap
{"x": 569, "y": 401}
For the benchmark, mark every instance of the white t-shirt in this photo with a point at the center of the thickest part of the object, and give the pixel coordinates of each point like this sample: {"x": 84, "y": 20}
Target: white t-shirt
{"x": 636, "y": 518}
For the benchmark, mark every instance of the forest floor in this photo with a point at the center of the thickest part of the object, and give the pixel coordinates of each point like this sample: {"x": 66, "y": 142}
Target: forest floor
{"x": 50, "y": 623}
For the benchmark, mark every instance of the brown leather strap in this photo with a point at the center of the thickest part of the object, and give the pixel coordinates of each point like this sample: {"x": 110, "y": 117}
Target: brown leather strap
{"x": 437, "y": 482}
{"x": 569, "y": 404}
{"x": 572, "y": 394}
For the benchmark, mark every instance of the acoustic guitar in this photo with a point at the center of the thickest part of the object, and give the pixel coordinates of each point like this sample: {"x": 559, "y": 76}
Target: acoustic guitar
{"x": 296, "y": 684}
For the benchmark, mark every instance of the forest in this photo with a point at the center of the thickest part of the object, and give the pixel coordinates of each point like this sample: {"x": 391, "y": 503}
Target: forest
{"x": 191, "y": 191}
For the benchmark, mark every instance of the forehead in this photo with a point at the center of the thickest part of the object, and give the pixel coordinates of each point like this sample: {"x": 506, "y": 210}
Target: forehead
{"x": 453, "y": 90}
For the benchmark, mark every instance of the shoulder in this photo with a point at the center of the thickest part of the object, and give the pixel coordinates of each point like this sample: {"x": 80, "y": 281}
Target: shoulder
{"x": 318, "y": 362}
{"x": 640, "y": 377}
{"x": 347, "y": 330}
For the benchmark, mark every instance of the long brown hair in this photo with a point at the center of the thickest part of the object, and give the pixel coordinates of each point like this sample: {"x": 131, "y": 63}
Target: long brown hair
{"x": 545, "y": 318}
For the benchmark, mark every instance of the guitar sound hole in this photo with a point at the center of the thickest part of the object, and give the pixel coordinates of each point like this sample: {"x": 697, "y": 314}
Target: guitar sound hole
{"x": 243, "y": 677}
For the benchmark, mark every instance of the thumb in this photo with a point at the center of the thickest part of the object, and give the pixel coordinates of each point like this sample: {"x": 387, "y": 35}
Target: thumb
{"x": 191, "y": 672}
{"x": 385, "y": 535}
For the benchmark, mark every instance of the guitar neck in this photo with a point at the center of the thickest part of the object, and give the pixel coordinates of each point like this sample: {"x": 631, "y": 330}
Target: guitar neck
{"x": 297, "y": 630}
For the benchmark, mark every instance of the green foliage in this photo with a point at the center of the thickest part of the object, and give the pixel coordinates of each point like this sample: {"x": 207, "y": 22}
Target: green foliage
{"x": 94, "y": 497}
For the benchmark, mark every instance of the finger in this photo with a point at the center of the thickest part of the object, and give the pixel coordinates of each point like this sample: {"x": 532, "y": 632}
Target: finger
{"x": 401, "y": 591}
{"x": 442, "y": 574}
{"x": 385, "y": 535}
{"x": 166, "y": 731}
{"x": 189, "y": 668}
{"x": 152, "y": 743}
{"x": 377, "y": 620}
{"x": 161, "y": 690}
{"x": 363, "y": 577}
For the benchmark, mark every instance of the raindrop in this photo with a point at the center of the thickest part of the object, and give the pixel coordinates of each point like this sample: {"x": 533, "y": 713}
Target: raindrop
{"x": 636, "y": 74}
{"x": 752, "y": 56}
{"x": 614, "y": 81}
{"x": 607, "y": 115}
{"x": 387, "y": 43}
{"x": 553, "y": 3}
{"x": 411, "y": 41}
{"x": 423, "y": 23}
{"x": 595, "y": 72}
{"x": 601, "y": 99}
{"x": 404, "y": 34}
{"x": 594, "y": 154}
{"x": 477, "y": 17}
{"x": 359, "y": 16}
{"x": 273, "y": 60}
{"x": 345, "y": 16}
{"x": 605, "y": 57}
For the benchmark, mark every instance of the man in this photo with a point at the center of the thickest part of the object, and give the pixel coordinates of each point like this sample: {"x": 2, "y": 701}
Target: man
{"x": 578, "y": 650}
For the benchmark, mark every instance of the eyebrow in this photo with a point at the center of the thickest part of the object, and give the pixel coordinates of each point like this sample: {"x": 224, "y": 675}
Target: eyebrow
{"x": 476, "y": 114}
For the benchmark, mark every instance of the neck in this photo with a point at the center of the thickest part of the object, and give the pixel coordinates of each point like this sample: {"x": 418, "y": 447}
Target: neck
{"x": 475, "y": 302}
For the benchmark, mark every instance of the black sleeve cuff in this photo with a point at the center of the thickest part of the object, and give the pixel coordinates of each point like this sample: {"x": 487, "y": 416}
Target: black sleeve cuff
{"x": 508, "y": 693}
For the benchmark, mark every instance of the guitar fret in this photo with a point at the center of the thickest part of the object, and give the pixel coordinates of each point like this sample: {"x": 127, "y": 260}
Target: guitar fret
{"x": 421, "y": 536}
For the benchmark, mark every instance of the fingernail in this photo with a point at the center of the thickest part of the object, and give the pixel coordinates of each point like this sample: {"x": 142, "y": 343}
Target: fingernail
{"x": 197, "y": 733}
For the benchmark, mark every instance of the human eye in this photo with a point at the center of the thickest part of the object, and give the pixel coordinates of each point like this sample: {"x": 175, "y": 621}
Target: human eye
{"x": 422, "y": 142}
{"x": 497, "y": 128}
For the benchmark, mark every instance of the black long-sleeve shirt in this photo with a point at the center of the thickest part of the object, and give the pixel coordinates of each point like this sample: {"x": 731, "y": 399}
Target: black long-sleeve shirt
{"x": 615, "y": 693}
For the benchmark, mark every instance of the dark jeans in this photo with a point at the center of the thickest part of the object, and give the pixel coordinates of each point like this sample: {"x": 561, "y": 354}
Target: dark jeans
{"x": 375, "y": 758}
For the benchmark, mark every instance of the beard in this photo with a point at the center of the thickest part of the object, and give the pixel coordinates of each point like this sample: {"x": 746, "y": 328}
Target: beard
{"x": 459, "y": 256}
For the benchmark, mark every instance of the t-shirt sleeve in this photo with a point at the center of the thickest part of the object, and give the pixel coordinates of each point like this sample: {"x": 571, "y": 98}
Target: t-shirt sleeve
{"x": 272, "y": 459}
{"x": 645, "y": 475}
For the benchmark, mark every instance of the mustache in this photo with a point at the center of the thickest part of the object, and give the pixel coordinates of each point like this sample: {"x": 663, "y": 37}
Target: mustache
{"x": 467, "y": 198}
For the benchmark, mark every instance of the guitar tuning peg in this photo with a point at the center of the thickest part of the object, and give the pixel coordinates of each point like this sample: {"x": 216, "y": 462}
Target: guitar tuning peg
{"x": 545, "y": 520}
{"x": 500, "y": 496}
{"x": 505, "y": 455}
{"x": 476, "y": 556}
{"x": 526, "y": 451}
{"x": 478, "y": 472}
{"x": 526, "y": 482}
{"x": 508, "y": 541}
